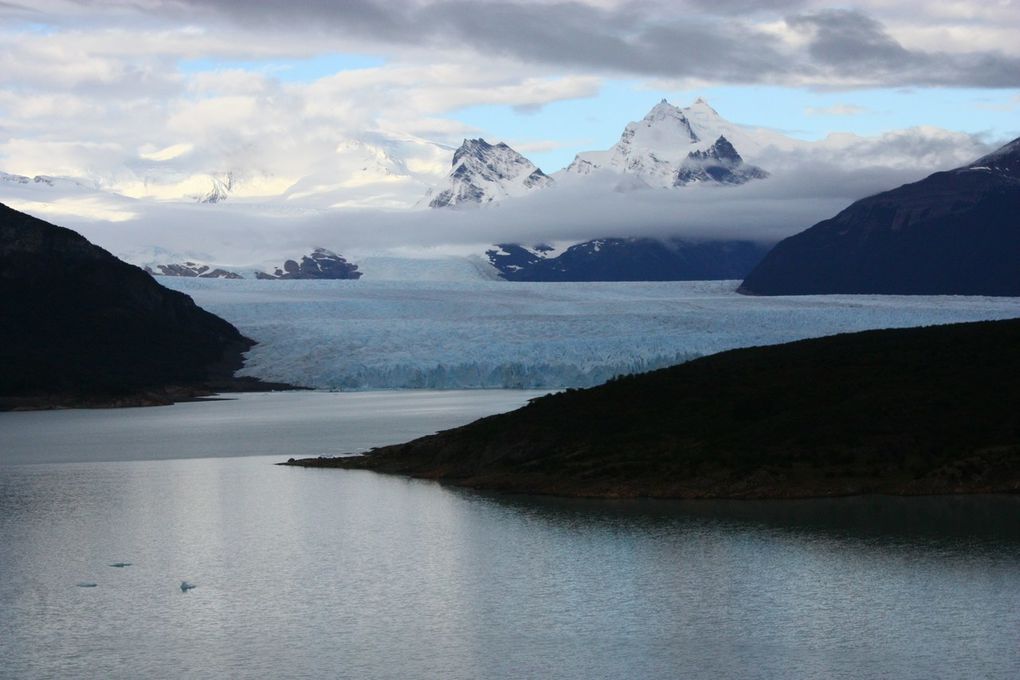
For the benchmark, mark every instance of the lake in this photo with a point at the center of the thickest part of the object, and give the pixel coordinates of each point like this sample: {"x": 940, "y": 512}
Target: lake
{"x": 332, "y": 573}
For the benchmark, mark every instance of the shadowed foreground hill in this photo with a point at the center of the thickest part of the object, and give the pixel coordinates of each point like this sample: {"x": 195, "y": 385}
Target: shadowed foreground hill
{"x": 80, "y": 327}
{"x": 911, "y": 411}
{"x": 952, "y": 233}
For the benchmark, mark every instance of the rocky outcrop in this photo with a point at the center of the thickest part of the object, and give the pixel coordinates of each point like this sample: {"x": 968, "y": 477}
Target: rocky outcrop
{"x": 320, "y": 264}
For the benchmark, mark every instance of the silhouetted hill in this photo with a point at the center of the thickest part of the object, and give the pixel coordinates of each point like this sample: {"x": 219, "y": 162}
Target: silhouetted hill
{"x": 908, "y": 411}
{"x": 77, "y": 325}
{"x": 952, "y": 233}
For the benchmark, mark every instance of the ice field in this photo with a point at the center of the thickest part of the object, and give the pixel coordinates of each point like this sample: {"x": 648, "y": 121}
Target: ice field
{"x": 356, "y": 335}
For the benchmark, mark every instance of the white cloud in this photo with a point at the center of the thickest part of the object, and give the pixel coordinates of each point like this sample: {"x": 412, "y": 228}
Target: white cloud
{"x": 166, "y": 153}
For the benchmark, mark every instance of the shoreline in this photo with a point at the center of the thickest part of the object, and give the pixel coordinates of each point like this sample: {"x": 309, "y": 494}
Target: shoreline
{"x": 762, "y": 484}
{"x": 142, "y": 398}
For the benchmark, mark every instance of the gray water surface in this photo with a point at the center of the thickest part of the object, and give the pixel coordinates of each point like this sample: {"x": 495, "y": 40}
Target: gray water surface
{"x": 331, "y": 573}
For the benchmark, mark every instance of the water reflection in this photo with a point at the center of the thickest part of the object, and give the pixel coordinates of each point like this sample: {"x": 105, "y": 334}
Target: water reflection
{"x": 924, "y": 520}
{"x": 317, "y": 573}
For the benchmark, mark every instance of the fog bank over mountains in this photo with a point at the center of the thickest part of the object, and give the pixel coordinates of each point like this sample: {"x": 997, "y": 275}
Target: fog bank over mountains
{"x": 372, "y": 195}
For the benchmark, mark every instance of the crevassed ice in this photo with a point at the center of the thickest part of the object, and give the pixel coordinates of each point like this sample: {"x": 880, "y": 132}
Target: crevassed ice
{"x": 482, "y": 334}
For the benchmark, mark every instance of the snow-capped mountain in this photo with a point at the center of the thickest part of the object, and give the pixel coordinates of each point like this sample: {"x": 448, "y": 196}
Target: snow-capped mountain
{"x": 485, "y": 173}
{"x": 320, "y": 264}
{"x": 191, "y": 269}
{"x": 672, "y": 147}
{"x": 45, "y": 180}
{"x": 719, "y": 163}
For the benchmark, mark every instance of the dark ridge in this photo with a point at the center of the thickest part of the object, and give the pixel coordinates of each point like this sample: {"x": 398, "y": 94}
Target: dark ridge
{"x": 630, "y": 259}
{"x": 80, "y": 327}
{"x": 910, "y": 411}
{"x": 952, "y": 233}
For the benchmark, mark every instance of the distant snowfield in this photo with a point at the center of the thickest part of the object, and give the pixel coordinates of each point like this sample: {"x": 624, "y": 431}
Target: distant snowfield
{"x": 356, "y": 335}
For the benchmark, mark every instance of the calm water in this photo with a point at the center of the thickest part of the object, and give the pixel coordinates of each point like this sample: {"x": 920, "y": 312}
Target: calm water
{"x": 327, "y": 573}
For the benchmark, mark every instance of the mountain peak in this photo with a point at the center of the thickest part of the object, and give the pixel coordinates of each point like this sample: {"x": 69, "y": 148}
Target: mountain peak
{"x": 664, "y": 110}
{"x": 701, "y": 108}
{"x": 483, "y": 173}
{"x": 720, "y": 163}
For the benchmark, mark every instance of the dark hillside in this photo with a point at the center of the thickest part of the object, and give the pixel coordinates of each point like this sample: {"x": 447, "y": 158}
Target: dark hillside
{"x": 77, "y": 324}
{"x": 922, "y": 410}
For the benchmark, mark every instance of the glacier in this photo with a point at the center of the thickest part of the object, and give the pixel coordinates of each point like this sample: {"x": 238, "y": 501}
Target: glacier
{"x": 433, "y": 334}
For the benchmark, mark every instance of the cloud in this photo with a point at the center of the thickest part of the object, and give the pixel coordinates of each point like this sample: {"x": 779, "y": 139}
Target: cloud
{"x": 96, "y": 89}
{"x": 725, "y": 41}
{"x": 806, "y": 186}
{"x": 791, "y": 42}
{"x": 852, "y": 47}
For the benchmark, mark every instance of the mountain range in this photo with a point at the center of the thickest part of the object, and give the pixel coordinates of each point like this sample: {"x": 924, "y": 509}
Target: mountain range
{"x": 628, "y": 259}
{"x": 670, "y": 147}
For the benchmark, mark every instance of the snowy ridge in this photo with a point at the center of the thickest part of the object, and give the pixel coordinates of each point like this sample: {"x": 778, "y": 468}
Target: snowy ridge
{"x": 373, "y": 334}
{"x": 486, "y": 173}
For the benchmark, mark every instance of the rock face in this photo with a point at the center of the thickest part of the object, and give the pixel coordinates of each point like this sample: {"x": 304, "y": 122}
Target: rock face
{"x": 76, "y": 322}
{"x": 629, "y": 259}
{"x": 484, "y": 173}
{"x": 219, "y": 191}
{"x": 674, "y": 147}
{"x": 320, "y": 264}
{"x": 719, "y": 163}
{"x": 952, "y": 233}
{"x": 192, "y": 270}
{"x": 908, "y": 411}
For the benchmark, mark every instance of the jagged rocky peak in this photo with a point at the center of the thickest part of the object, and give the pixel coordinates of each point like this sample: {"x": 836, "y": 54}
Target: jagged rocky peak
{"x": 719, "y": 163}
{"x": 320, "y": 264}
{"x": 484, "y": 173}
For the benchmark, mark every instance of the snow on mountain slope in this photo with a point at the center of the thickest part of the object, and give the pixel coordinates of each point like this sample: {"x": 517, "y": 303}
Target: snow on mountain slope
{"x": 372, "y": 334}
{"x": 486, "y": 173}
{"x": 669, "y": 139}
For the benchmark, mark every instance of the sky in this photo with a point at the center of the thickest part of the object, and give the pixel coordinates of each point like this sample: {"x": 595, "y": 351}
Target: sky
{"x": 114, "y": 91}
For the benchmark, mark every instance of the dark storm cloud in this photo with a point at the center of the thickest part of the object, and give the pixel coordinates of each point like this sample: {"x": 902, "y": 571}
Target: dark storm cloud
{"x": 701, "y": 39}
{"x": 848, "y": 42}
{"x": 745, "y": 6}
